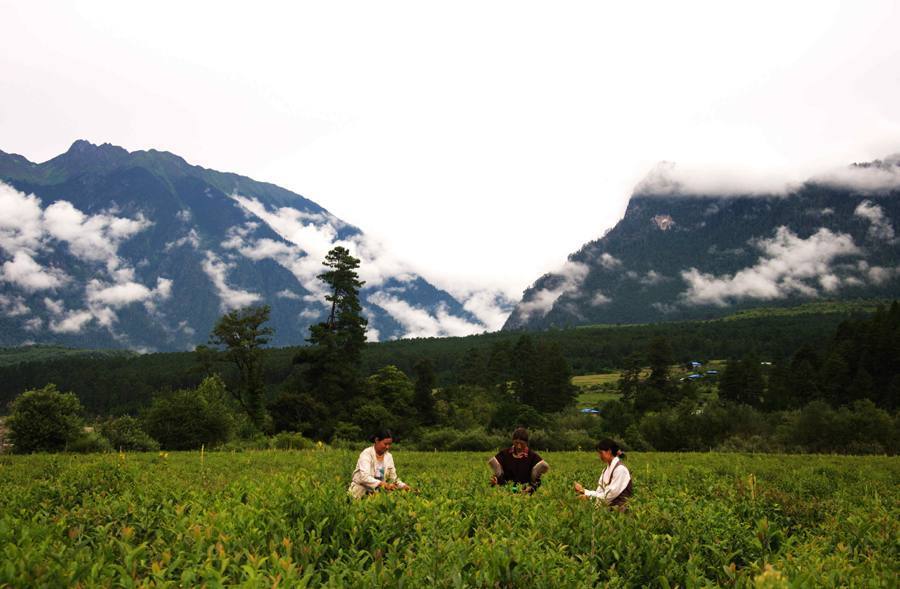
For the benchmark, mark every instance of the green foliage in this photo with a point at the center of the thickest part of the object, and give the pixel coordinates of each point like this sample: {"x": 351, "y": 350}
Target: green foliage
{"x": 89, "y": 443}
{"x": 331, "y": 366}
{"x": 44, "y": 420}
{"x": 258, "y": 519}
{"x": 291, "y": 441}
{"x": 188, "y": 418}
{"x": 126, "y": 433}
{"x": 242, "y": 334}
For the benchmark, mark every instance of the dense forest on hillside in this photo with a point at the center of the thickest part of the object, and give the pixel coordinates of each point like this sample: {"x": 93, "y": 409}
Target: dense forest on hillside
{"x": 114, "y": 384}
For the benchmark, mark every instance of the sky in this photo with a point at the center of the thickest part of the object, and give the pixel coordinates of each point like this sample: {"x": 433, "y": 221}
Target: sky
{"x": 481, "y": 142}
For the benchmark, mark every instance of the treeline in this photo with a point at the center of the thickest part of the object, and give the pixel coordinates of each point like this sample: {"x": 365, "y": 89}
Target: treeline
{"x": 118, "y": 385}
{"x": 841, "y": 399}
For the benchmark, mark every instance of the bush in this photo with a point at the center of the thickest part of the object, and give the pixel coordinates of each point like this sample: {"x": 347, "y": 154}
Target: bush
{"x": 44, "y": 420}
{"x": 292, "y": 441}
{"x": 188, "y": 419}
{"x": 89, "y": 443}
{"x": 125, "y": 433}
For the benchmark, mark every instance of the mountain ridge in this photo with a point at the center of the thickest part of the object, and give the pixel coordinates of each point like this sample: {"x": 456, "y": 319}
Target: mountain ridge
{"x": 680, "y": 253}
{"x": 144, "y": 250}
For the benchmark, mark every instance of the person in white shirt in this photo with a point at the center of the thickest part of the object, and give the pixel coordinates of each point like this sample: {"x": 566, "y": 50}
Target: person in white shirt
{"x": 375, "y": 469}
{"x": 614, "y": 487}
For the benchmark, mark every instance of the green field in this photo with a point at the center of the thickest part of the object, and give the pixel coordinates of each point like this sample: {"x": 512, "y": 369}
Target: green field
{"x": 264, "y": 519}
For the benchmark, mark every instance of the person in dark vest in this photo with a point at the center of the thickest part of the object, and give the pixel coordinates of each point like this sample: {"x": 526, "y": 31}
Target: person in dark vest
{"x": 614, "y": 487}
{"x": 518, "y": 465}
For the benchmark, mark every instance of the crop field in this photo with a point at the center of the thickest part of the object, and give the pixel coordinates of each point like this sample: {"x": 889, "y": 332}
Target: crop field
{"x": 283, "y": 519}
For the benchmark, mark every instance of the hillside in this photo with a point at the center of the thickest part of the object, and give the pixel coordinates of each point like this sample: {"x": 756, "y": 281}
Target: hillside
{"x": 105, "y": 248}
{"x": 678, "y": 254}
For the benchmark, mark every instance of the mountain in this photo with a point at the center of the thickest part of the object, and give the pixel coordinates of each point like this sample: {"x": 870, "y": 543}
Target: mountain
{"x": 687, "y": 251}
{"x": 105, "y": 248}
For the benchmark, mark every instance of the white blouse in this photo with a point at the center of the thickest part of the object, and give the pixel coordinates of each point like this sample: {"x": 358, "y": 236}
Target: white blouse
{"x": 612, "y": 482}
{"x": 364, "y": 479}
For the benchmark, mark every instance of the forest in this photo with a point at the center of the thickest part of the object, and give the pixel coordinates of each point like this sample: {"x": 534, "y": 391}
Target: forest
{"x": 824, "y": 380}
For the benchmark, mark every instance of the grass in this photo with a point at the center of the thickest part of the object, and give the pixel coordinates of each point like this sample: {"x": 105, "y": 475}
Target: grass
{"x": 282, "y": 518}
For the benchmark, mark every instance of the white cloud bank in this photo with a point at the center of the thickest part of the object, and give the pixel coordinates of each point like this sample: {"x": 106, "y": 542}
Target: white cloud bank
{"x": 706, "y": 179}
{"x": 566, "y": 279}
{"x": 229, "y": 298}
{"x": 27, "y": 230}
{"x": 880, "y": 227}
{"x": 311, "y": 236}
{"x": 788, "y": 265}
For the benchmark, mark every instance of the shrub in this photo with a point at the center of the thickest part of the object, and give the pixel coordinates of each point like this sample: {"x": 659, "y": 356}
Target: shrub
{"x": 89, "y": 443}
{"x": 188, "y": 419}
{"x": 125, "y": 433}
{"x": 44, "y": 420}
{"x": 291, "y": 441}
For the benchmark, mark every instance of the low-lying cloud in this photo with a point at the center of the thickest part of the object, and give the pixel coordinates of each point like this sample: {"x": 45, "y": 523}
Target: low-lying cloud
{"x": 540, "y": 302}
{"x": 671, "y": 179}
{"x": 419, "y": 322}
{"x": 229, "y": 298}
{"x": 880, "y": 227}
{"x": 788, "y": 265}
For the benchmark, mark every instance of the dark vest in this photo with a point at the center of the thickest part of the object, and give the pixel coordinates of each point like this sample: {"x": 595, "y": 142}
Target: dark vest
{"x": 626, "y": 493}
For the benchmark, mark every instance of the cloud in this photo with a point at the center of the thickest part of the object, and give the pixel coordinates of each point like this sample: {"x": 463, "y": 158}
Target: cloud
{"x": 72, "y": 322}
{"x": 566, "y": 279}
{"x": 490, "y": 307}
{"x": 600, "y": 299}
{"x": 94, "y": 238}
{"x": 21, "y": 224}
{"x": 287, "y": 294}
{"x": 609, "y": 261}
{"x": 120, "y": 295}
{"x": 315, "y": 234}
{"x": 27, "y": 274}
{"x": 880, "y": 227}
{"x": 875, "y": 178}
{"x": 229, "y": 298}
{"x": 670, "y": 179}
{"x": 789, "y": 265}
{"x": 34, "y": 324}
{"x": 652, "y": 278}
{"x": 13, "y": 306}
{"x": 418, "y": 322}
{"x": 184, "y": 215}
{"x": 192, "y": 239}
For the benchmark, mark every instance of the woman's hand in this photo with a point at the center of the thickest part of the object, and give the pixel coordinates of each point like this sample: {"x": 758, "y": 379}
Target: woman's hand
{"x": 579, "y": 488}
{"x": 388, "y": 486}
{"x": 494, "y": 480}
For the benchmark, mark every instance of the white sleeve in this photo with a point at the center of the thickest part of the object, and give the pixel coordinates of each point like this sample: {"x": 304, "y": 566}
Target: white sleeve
{"x": 598, "y": 494}
{"x": 363, "y": 473}
{"x": 390, "y": 471}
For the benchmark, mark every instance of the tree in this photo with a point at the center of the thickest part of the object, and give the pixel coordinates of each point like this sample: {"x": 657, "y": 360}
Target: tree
{"x": 44, "y": 420}
{"x": 187, "y": 418}
{"x": 331, "y": 364}
{"x": 242, "y": 334}
{"x": 423, "y": 395}
{"x": 125, "y": 433}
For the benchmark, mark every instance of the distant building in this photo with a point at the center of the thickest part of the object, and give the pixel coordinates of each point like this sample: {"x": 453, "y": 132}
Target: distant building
{"x": 591, "y": 410}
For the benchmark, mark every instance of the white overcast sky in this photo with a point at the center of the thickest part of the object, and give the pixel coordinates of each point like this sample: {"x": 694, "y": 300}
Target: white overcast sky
{"x": 480, "y": 141}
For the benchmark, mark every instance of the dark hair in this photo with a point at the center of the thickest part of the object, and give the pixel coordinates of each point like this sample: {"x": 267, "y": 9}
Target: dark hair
{"x": 520, "y": 434}
{"x": 381, "y": 435}
{"x": 612, "y": 446}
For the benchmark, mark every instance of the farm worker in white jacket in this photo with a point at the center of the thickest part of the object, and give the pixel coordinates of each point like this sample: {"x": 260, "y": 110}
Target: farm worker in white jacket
{"x": 375, "y": 469}
{"x": 614, "y": 487}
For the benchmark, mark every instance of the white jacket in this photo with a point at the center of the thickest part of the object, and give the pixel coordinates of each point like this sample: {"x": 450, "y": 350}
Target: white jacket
{"x": 364, "y": 480}
{"x": 612, "y": 482}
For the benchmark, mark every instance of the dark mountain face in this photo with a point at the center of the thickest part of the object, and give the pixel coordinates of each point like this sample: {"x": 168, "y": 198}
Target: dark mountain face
{"x": 682, "y": 256}
{"x": 101, "y": 247}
